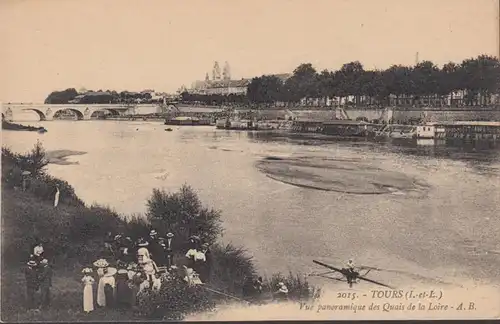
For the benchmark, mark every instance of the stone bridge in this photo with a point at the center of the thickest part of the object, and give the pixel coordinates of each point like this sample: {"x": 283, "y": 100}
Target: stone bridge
{"x": 82, "y": 111}
{"x": 85, "y": 111}
{"x": 47, "y": 112}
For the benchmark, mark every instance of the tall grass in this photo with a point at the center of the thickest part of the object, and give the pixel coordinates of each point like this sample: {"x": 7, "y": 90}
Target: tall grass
{"x": 298, "y": 286}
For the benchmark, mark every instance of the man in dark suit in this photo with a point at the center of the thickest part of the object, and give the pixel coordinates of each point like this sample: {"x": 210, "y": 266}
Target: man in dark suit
{"x": 156, "y": 249}
{"x": 170, "y": 249}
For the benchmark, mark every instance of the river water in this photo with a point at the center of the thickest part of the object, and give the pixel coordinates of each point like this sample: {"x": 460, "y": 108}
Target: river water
{"x": 428, "y": 212}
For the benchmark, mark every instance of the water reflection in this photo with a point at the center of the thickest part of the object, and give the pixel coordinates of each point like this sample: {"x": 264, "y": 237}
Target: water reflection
{"x": 471, "y": 152}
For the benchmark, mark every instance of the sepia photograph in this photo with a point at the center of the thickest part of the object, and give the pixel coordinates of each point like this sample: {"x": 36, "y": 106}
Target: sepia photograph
{"x": 169, "y": 160}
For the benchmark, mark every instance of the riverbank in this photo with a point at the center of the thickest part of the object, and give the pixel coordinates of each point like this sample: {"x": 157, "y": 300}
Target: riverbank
{"x": 73, "y": 236}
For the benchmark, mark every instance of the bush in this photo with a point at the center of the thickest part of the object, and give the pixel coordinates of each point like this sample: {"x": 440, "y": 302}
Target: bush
{"x": 67, "y": 231}
{"x": 230, "y": 267}
{"x": 174, "y": 300}
{"x": 38, "y": 183}
{"x": 182, "y": 213}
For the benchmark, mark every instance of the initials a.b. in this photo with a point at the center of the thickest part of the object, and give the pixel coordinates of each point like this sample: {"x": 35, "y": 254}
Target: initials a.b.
{"x": 471, "y": 306}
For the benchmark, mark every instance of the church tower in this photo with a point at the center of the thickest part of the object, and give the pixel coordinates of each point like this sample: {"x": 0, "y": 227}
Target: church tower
{"x": 207, "y": 78}
{"x": 226, "y": 74}
{"x": 216, "y": 75}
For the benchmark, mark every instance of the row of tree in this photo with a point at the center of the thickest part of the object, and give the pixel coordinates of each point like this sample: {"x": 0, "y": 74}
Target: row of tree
{"x": 71, "y": 95}
{"x": 478, "y": 78}
{"x": 214, "y": 99}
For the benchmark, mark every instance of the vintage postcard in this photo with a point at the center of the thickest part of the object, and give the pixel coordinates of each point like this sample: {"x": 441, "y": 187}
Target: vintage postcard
{"x": 249, "y": 160}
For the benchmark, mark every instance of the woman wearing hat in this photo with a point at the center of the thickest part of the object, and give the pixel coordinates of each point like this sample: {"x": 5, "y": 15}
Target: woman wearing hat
{"x": 282, "y": 293}
{"x": 109, "y": 285}
{"x": 101, "y": 266}
{"x": 122, "y": 289}
{"x": 88, "y": 296}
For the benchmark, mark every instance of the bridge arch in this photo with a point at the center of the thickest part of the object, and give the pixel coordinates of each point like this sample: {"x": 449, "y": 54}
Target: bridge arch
{"x": 113, "y": 112}
{"x": 78, "y": 113}
{"x": 40, "y": 113}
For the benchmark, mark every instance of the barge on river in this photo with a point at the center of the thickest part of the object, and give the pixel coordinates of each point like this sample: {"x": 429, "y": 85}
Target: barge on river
{"x": 246, "y": 124}
{"x": 473, "y": 130}
{"x": 397, "y": 131}
{"x": 344, "y": 128}
{"x": 188, "y": 121}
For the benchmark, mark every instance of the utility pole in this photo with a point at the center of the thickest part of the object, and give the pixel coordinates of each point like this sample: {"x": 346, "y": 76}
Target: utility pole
{"x": 416, "y": 59}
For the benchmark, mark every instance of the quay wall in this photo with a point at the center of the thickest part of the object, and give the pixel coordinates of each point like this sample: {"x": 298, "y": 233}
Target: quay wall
{"x": 448, "y": 115}
{"x": 397, "y": 115}
{"x": 386, "y": 114}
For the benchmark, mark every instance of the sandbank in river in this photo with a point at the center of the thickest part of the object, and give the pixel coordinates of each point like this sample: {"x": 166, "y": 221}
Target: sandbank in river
{"x": 60, "y": 156}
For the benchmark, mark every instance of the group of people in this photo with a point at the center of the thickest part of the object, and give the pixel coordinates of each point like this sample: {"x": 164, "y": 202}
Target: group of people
{"x": 38, "y": 274}
{"x": 126, "y": 270}
{"x": 252, "y": 290}
{"x": 130, "y": 269}
{"x": 142, "y": 266}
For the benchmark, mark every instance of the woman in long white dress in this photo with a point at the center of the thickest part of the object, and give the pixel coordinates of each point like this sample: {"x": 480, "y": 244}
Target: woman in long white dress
{"x": 101, "y": 265}
{"x": 88, "y": 295}
{"x": 107, "y": 279}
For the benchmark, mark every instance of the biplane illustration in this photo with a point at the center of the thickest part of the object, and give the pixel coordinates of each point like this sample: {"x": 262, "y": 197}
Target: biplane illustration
{"x": 351, "y": 275}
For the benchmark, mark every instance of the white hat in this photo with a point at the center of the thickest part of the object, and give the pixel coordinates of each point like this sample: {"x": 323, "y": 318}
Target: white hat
{"x": 101, "y": 263}
{"x": 143, "y": 243}
{"x": 87, "y": 270}
{"x": 110, "y": 272}
{"x": 170, "y": 235}
{"x": 153, "y": 232}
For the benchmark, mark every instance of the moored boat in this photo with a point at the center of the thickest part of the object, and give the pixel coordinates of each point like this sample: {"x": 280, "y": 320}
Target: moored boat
{"x": 187, "y": 121}
{"x": 348, "y": 128}
{"x": 397, "y": 131}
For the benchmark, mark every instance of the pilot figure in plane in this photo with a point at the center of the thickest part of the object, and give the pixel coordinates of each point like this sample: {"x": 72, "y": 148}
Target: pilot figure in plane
{"x": 352, "y": 274}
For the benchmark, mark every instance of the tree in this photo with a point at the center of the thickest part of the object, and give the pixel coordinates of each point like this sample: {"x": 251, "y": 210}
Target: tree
{"x": 182, "y": 214}
{"x": 481, "y": 76}
{"x": 398, "y": 81}
{"x": 265, "y": 89}
{"x": 303, "y": 83}
{"x": 449, "y": 80}
{"x": 425, "y": 78}
{"x": 35, "y": 161}
{"x": 61, "y": 97}
{"x": 351, "y": 74}
{"x": 325, "y": 84}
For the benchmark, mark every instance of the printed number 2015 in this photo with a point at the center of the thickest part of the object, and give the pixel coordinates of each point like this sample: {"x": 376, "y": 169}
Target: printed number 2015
{"x": 348, "y": 295}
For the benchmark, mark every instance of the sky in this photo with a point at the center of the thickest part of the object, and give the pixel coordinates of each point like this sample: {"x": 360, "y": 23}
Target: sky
{"x": 49, "y": 45}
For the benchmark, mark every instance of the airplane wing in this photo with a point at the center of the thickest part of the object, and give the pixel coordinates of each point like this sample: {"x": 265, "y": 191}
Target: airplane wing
{"x": 338, "y": 279}
{"x": 369, "y": 268}
{"x": 329, "y": 267}
{"x": 375, "y": 282}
